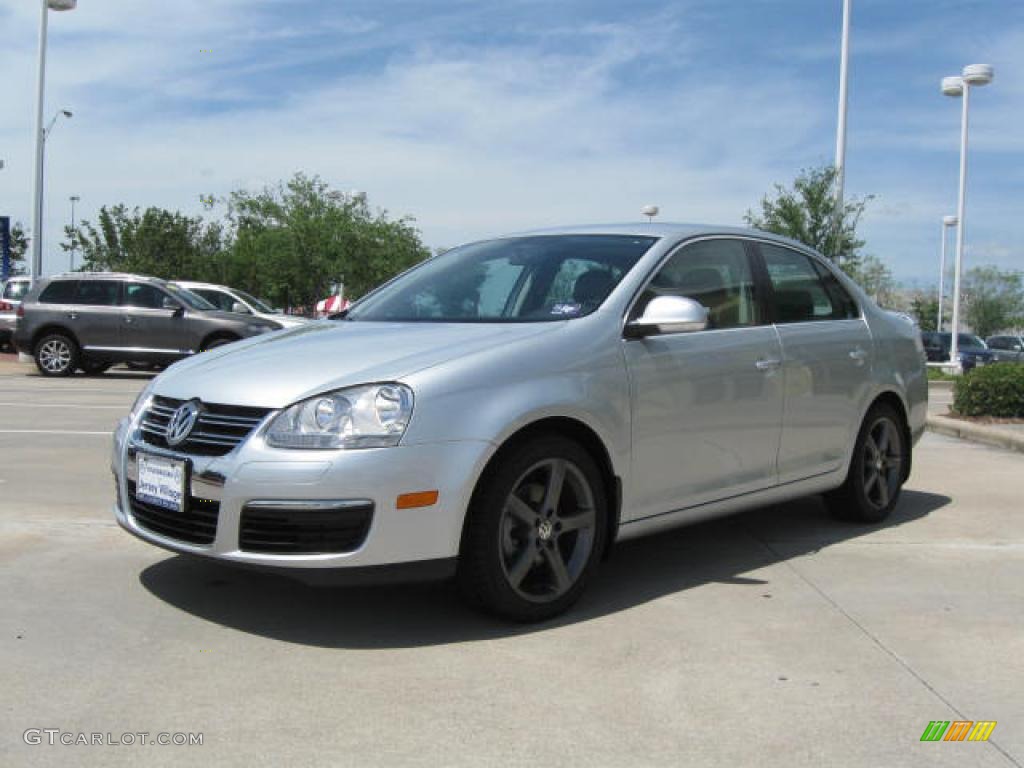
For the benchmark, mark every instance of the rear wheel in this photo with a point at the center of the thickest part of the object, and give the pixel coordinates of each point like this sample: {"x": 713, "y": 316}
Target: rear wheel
{"x": 56, "y": 355}
{"x": 877, "y": 470}
{"x": 535, "y": 531}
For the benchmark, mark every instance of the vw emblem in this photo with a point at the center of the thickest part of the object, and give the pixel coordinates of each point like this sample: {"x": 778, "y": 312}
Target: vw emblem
{"x": 181, "y": 423}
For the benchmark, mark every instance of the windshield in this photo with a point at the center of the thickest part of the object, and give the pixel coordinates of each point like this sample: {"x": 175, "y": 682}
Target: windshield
{"x": 188, "y": 298}
{"x": 945, "y": 340}
{"x": 521, "y": 279}
{"x": 261, "y": 306}
{"x": 969, "y": 340}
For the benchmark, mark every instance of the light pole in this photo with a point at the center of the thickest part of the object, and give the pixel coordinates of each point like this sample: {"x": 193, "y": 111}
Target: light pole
{"x": 37, "y": 203}
{"x": 71, "y": 257}
{"x": 844, "y": 76}
{"x": 972, "y": 75}
{"x": 947, "y": 222}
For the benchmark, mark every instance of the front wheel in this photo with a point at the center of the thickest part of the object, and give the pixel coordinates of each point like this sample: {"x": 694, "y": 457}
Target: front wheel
{"x": 535, "y": 531}
{"x": 877, "y": 470}
{"x": 56, "y": 355}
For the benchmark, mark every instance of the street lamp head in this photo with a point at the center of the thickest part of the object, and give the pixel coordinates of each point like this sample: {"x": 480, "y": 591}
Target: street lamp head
{"x": 61, "y": 5}
{"x": 75, "y": 198}
{"x": 952, "y": 86}
{"x": 66, "y": 113}
{"x": 978, "y": 74}
{"x": 950, "y": 221}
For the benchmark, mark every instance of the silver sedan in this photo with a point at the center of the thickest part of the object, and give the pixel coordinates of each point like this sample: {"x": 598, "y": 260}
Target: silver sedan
{"x": 507, "y": 411}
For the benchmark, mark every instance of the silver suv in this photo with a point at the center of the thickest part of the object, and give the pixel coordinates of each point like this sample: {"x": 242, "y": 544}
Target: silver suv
{"x": 93, "y": 320}
{"x": 508, "y": 410}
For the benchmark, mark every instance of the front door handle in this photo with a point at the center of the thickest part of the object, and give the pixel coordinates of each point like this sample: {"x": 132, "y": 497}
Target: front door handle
{"x": 72, "y": 315}
{"x": 858, "y": 355}
{"x": 768, "y": 365}
{"x": 128, "y": 319}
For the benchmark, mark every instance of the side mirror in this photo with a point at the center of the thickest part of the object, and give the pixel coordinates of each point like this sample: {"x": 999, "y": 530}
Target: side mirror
{"x": 174, "y": 306}
{"x": 668, "y": 314}
{"x": 240, "y": 309}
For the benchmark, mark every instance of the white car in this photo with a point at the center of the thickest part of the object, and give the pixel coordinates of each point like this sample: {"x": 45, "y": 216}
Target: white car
{"x": 11, "y": 293}
{"x": 233, "y": 300}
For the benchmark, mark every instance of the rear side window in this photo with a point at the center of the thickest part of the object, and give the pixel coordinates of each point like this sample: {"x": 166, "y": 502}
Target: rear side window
{"x": 58, "y": 292}
{"x": 800, "y": 294}
{"x": 98, "y": 293}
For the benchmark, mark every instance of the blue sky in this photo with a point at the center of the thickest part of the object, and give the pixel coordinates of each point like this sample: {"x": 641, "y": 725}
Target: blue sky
{"x": 482, "y": 117}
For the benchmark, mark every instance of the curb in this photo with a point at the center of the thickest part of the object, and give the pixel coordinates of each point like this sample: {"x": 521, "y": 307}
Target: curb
{"x": 977, "y": 433}
{"x": 940, "y": 384}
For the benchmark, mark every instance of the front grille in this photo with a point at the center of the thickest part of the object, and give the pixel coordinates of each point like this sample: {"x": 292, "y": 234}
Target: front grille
{"x": 283, "y": 531}
{"x": 196, "y": 525}
{"x": 218, "y": 429}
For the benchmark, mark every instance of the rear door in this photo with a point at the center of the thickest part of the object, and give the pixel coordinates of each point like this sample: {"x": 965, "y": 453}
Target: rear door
{"x": 95, "y": 314}
{"x": 827, "y": 353}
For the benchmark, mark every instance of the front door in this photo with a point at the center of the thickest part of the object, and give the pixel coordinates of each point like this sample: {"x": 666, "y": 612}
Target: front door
{"x": 828, "y": 355}
{"x": 706, "y": 406}
{"x": 148, "y": 326}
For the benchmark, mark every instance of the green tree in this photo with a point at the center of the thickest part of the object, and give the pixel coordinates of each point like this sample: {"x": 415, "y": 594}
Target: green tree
{"x": 807, "y": 212}
{"x": 155, "y": 242}
{"x": 19, "y": 247}
{"x": 925, "y": 309}
{"x": 994, "y": 299}
{"x": 293, "y": 241}
{"x": 875, "y": 277}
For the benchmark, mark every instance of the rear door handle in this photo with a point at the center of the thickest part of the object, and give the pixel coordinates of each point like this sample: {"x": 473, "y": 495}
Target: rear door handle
{"x": 858, "y": 355}
{"x": 128, "y": 319}
{"x": 72, "y": 315}
{"x": 768, "y": 365}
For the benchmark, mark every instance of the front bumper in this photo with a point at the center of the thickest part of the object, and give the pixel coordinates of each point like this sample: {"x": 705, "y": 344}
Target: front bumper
{"x": 253, "y": 472}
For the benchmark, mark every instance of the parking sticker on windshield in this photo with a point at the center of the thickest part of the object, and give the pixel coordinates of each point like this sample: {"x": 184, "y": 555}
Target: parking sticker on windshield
{"x": 566, "y": 310}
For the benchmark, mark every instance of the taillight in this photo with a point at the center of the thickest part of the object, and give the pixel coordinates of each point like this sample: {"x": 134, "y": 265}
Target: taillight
{"x": 5, "y": 307}
{"x": 21, "y": 311}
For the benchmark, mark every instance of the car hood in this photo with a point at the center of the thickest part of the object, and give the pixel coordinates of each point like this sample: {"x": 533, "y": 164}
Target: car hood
{"x": 278, "y": 369}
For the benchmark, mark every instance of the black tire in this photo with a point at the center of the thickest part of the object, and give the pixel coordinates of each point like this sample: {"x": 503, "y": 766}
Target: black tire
{"x": 94, "y": 368}
{"x": 216, "y": 341}
{"x": 877, "y": 471}
{"x": 56, "y": 354}
{"x": 522, "y": 556}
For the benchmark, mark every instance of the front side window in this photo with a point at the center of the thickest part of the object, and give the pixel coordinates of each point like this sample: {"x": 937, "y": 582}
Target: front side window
{"x": 519, "y": 279}
{"x": 800, "y": 294}
{"x": 58, "y": 292}
{"x": 715, "y": 273}
{"x": 97, "y": 293}
{"x": 143, "y": 295}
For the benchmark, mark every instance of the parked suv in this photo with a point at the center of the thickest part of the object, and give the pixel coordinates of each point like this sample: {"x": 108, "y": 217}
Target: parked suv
{"x": 1007, "y": 349}
{"x": 971, "y": 350}
{"x": 91, "y": 321}
{"x": 234, "y": 300}
{"x": 11, "y": 293}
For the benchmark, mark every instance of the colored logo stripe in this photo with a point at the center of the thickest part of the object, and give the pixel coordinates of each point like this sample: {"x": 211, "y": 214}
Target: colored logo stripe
{"x": 959, "y": 730}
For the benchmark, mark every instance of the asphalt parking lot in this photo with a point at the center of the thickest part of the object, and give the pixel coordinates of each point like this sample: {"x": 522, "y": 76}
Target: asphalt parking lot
{"x": 775, "y": 638}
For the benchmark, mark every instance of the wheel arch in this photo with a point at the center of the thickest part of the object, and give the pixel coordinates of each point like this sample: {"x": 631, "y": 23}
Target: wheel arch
{"x": 579, "y": 432}
{"x": 54, "y": 328}
{"x": 216, "y": 335}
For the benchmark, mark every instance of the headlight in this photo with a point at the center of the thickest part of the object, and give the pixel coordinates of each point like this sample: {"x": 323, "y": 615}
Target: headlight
{"x": 371, "y": 416}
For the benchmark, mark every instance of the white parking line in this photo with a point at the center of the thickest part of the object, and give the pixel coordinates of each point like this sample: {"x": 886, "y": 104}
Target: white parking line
{"x": 84, "y": 406}
{"x": 51, "y": 432}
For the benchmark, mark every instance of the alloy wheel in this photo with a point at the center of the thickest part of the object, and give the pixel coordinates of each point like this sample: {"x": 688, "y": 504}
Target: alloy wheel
{"x": 883, "y": 459}
{"x": 547, "y": 530}
{"x": 55, "y": 356}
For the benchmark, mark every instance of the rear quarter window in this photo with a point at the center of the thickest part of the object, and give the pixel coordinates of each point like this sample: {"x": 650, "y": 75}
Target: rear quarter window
{"x": 58, "y": 292}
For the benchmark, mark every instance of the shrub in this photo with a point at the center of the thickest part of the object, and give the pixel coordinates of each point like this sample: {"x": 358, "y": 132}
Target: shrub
{"x": 995, "y": 390}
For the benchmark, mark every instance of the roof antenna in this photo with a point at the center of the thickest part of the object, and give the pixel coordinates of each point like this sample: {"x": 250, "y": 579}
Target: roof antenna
{"x": 650, "y": 211}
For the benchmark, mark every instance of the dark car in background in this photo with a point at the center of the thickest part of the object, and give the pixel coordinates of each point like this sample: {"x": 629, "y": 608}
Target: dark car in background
{"x": 1007, "y": 348}
{"x": 91, "y": 321}
{"x": 972, "y": 350}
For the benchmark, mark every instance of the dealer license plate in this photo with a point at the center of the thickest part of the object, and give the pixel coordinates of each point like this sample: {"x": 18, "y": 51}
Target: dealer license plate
{"x": 161, "y": 482}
